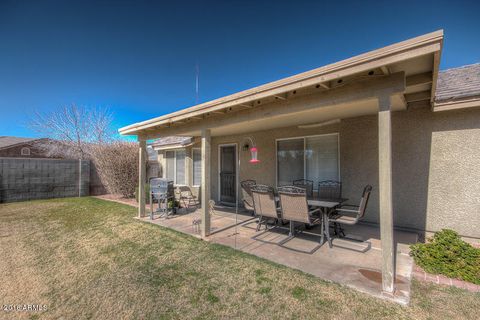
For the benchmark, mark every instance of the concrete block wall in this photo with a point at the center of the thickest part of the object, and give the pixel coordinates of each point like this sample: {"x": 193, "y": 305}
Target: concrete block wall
{"x": 27, "y": 179}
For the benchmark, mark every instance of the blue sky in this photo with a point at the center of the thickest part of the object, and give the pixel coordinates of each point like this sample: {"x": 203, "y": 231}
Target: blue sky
{"x": 138, "y": 57}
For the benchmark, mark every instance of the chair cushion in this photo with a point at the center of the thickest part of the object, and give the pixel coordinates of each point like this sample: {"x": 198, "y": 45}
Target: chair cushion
{"x": 343, "y": 219}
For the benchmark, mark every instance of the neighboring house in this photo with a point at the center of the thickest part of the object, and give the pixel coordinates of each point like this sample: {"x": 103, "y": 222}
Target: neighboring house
{"x": 387, "y": 118}
{"x": 16, "y": 147}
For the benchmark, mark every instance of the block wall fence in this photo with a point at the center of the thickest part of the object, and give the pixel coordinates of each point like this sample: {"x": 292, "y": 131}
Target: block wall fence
{"x": 28, "y": 179}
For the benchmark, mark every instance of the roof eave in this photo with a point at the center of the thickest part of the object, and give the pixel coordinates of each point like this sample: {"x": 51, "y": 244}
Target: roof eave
{"x": 447, "y": 105}
{"x": 408, "y": 49}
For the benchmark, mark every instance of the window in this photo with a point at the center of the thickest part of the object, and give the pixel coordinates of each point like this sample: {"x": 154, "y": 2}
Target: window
{"x": 175, "y": 166}
{"x": 25, "y": 151}
{"x": 180, "y": 167}
{"x": 314, "y": 158}
{"x": 197, "y": 166}
{"x": 170, "y": 163}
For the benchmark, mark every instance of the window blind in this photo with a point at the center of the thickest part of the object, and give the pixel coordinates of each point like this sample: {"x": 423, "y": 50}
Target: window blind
{"x": 197, "y": 167}
{"x": 170, "y": 163}
{"x": 180, "y": 166}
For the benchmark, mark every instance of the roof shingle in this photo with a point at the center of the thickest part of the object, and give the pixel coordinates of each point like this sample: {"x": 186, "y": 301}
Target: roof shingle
{"x": 458, "y": 83}
{"x": 8, "y": 141}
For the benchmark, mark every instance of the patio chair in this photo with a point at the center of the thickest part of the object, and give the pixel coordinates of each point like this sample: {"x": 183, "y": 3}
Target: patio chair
{"x": 247, "y": 194}
{"x": 329, "y": 189}
{"x": 185, "y": 197}
{"x": 264, "y": 204}
{"x": 294, "y": 206}
{"x": 306, "y": 184}
{"x": 350, "y": 214}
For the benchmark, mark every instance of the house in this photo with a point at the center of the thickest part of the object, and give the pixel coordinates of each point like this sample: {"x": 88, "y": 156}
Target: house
{"x": 16, "y": 147}
{"x": 388, "y": 118}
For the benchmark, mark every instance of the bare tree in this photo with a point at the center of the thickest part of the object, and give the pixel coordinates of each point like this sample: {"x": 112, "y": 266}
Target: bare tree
{"x": 73, "y": 130}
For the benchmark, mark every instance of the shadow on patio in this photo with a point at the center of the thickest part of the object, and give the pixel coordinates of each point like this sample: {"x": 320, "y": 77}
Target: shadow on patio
{"x": 354, "y": 261}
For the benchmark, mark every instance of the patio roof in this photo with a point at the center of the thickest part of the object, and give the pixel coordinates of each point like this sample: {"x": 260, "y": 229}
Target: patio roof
{"x": 418, "y": 59}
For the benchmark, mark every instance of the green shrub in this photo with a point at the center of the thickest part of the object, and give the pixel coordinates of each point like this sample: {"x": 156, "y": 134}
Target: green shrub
{"x": 445, "y": 253}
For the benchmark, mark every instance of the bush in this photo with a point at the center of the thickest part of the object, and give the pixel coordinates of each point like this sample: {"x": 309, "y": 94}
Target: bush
{"x": 449, "y": 255}
{"x": 117, "y": 165}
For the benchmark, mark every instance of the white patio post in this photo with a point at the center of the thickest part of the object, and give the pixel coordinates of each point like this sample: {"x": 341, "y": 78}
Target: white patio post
{"x": 142, "y": 173}
{"x": 205, "y": 188}
{"x": 385, "y": 192}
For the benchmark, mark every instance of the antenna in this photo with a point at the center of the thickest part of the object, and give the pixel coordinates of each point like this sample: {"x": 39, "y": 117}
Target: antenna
{"x": 197, "y": 74}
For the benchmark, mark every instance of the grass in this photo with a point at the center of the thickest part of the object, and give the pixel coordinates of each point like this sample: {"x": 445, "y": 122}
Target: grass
{"x": 89, "y": 259}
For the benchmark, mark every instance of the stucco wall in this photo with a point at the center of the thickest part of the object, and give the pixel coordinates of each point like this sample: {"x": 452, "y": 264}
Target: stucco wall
{"x": 436, "y": 165}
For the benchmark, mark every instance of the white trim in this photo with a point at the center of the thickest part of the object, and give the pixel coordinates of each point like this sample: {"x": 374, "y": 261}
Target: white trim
{"x": 459, "y": 104}
{"x": 219, "y": 167}
{"x": 170, "y": 148}
{"x": 304, "y": 153}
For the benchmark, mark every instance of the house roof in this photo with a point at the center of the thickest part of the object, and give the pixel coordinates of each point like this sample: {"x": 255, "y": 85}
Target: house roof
{"x": 458, "y": 83}
{"x": 169, "y": 142}
{"x": 391, "y": 58}
{"x": 9, "y": 141}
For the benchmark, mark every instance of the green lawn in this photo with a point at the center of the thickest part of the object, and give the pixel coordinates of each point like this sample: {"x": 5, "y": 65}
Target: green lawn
{"x": 89, "y": 259}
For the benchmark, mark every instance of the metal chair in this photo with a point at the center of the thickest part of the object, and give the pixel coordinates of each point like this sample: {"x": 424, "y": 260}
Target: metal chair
{"x": 329, "y": 189}
{"x": 162, "y": 191}
{"x": 247, "y": 194}
{"x": 264, "y": 204}
{"x": 350, "y": 214}
{"x": 184, "y": 195}
{"x": 306, "y": 184}
{"x": 294, "y": 206}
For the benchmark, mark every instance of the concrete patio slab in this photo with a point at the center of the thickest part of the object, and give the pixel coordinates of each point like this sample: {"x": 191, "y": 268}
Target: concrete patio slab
{"x": 346, "y": 263}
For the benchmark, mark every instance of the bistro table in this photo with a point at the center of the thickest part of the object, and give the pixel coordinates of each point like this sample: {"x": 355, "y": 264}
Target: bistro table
{"x": 326, "y": 206}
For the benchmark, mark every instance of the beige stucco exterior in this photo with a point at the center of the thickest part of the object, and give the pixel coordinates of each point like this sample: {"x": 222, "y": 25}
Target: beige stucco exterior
{"x": 436, "y": 165}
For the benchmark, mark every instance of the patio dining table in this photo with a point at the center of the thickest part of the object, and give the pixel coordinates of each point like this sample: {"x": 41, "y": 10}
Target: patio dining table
{"x": 326, "y": 206}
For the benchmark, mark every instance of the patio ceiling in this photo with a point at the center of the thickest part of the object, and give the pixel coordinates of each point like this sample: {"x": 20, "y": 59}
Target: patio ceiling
{"x": 416, "y": 60}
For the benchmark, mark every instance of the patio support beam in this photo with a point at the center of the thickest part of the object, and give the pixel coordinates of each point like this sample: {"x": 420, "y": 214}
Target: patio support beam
{"x": 385, "y": 192}
{"x": 142, "y": 175}
{"x": 205, "y": 187}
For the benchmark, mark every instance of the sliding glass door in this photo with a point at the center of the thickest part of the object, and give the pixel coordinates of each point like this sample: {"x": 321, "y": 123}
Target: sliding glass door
{"x": 321, "y": 158}
{"x": 290, "y": 161}
{"x": 314, "y": 158}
